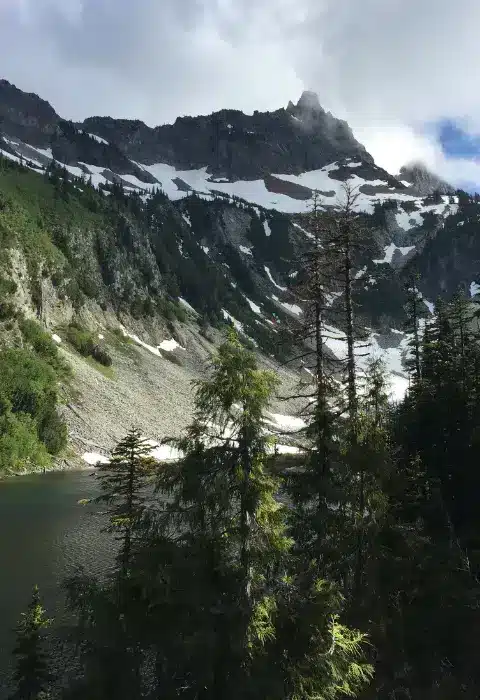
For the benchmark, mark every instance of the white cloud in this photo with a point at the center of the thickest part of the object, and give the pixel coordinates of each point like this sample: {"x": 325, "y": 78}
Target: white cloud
{"x": 386, "y": 67}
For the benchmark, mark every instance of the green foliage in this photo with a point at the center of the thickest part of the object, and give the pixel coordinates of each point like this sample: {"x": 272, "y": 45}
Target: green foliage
{"x": 84, "y": 342}
{"x": 7, "y": 286}
{"x": 199, "y": 603}
{"x": 52, "y": 431}
{"x": 106, "y": 631}
{"x": 31, "y": 429}
{"x": 20, "y": 447}
{"x": 31, "y": 677}
{"x": 7, "y": 311}
{"x": 122, "y": 481}
{"x": 171, "y": 311}
{"x": 38, "y": 340}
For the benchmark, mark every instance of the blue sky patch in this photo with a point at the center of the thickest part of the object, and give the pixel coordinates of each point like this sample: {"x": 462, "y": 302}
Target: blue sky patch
{"x": 456, "y": 142}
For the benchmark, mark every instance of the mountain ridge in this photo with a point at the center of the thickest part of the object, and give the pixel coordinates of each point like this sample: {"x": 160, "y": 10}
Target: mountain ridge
{"x": 103, "y": 151}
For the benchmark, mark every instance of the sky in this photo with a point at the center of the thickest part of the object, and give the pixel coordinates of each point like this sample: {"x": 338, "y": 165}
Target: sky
{"x": 401, "y": 72}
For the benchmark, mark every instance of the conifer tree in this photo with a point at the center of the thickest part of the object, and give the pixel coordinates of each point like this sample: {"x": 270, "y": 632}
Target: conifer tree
{"x": 107, "y": 631}
{"x": 31, "y": 676}
{"x": 414, "y": 300}
{"x": 311, "y": 523}
{"x": 223, "y": 503}
{"x": 254, "y": 626}
{"x": 123, "y": 480}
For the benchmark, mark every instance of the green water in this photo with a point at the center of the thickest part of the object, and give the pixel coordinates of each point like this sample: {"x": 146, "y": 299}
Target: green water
{"x": 44, "y": 535}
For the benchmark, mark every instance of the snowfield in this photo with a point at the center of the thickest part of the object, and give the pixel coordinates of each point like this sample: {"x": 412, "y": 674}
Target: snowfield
{"x": 178, "y": 184}
{"x": 390, "y": 251}
{"x": 392, "y": 357}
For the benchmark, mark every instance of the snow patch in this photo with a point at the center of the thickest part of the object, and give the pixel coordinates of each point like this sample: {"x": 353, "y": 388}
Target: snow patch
{"x": 266, "y": 228}
{"x": 236, "y": 324}
{"x": 307, "y": 233}
{"x": 185, "y": 303}
{"x": 10, "y": 156}
{"x": 254, "y": 306}
{"x": 269, "y": 274}
{"x": 293, "y": 308}
{"x": 164, "y": 453}
{"x": 390, "y": 251}
{"x": 245, "y": 250}
{"x": 136, "y": 339}
{"x": 93, "y": 459}
{"x": 392, "y": 357}
{"x": 287, "y": 422}
{"x": 170, "y": 345}
{"x": 99, "y": 139}
{"x": 474, "y": 289}
{"x": 430, "y": 305}
{"x": 404, "y": 219}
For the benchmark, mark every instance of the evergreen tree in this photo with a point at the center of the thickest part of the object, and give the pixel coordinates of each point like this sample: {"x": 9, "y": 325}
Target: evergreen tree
{"x": 123, "y": 481}
{"x": 31, "y": 677}
{"x": 414, "y": 301}
{"x": 106, "y": 631}
{"x": 310, "y": 523}
{"x": 223, "y": 503}
{"x": 217, "y": 566}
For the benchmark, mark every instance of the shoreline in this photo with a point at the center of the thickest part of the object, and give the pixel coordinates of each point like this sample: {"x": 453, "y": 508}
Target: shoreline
{"x": 59, "y": 465}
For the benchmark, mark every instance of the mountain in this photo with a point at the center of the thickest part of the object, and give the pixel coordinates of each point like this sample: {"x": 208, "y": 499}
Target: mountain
{"x": 167, "y": 233}
{"x": 423, "y": 180}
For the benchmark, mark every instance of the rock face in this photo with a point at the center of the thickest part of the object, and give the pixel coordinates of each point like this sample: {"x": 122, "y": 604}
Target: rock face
{"x": 237, "y": 146}
{"x": 26, "y": 116}
{"x": 233, "y": 146}
{"x": 228, "y": 143}
{"x": 423, "y": 180}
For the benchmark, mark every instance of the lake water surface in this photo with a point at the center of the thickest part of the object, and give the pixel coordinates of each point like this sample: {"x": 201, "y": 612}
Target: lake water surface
{"x": 44, "y": 535}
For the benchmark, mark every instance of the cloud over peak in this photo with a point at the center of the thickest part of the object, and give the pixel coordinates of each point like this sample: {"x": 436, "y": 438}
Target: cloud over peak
{"x": 388, "y": 68}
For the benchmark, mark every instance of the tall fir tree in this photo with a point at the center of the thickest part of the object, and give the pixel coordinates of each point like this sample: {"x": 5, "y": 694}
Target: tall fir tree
{"x": 32, "y": 678}
{"x": 107, "y": 630}
{"x": 123, "y": 481}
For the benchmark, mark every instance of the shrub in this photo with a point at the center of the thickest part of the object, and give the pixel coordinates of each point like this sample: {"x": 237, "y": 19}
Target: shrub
{"x": 57, "y": 278}
{"x": 7, "y": 311}
{"x": 7, "y": 287}
{"x": 28, "y": 382}
{"x": 41, "y": 342}
{"x": 53, "y": 432}
{"x": 75, "y": 294}
{"x": 101, "y": 355}
{"x": 81, "y": 340}
{"x": 30, "y": 428}
{"x": 20, "y": 448}
{"x": 171, "y": 310}
{"x": 180, "y": 313}
{"x": 119, "y": 334}
{"x": 84, "y": 342}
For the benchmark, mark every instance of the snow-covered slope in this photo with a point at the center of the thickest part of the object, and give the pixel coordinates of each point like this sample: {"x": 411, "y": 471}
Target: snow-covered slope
{"x": 290, "y": 194}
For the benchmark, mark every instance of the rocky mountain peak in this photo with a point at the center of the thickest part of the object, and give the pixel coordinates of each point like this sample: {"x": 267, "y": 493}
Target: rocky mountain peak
{"x": 424, "y": 181}
{"x": 309, "y": 101}
{"x": 238, "y": 146}
{"x": 25, "y": 115}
